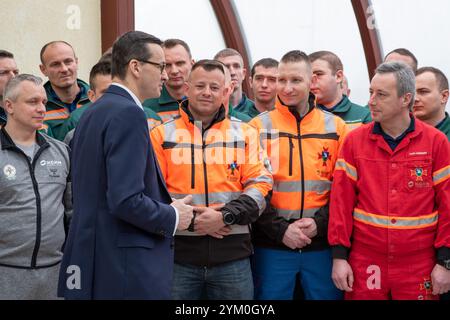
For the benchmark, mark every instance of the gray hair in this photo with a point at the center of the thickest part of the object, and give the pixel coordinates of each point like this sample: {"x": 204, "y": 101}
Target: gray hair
{"x": 406, "y": 79}
{"x": 11, "y": 93}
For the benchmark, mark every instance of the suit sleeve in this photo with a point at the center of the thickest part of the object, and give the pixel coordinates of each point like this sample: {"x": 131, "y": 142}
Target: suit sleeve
{"x": 126, "y": 149}
{"x": 342, "y": 201}
{"x": 441, "y": 182}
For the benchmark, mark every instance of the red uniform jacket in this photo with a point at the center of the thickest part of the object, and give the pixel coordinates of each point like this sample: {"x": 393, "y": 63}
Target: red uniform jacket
{"x": 392, "y": 202}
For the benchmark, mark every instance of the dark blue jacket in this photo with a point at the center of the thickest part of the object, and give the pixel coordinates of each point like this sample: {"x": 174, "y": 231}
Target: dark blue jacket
{"x": 120, "y": 237}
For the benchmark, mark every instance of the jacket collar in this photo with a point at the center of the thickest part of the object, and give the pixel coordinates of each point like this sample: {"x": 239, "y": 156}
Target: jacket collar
{"x": 166, "y": 98}
{"x": 342, "y": 107}
{"x": 441, "y": 125}
{"x": 292, "y": 111}
{"x": 188, "y": 118}
{"x": 414, "y": 130}
{"x": 81, "y": 97}
{"x": 243, "y": 102}
{"x": 8, "y": 143}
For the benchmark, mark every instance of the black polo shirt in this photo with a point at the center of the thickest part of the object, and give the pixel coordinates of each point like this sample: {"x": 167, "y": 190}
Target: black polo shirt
{"x": 393, "y": 142}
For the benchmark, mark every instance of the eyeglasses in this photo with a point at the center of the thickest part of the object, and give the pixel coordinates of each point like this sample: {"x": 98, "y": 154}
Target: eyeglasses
{"x": 161, "y": 66}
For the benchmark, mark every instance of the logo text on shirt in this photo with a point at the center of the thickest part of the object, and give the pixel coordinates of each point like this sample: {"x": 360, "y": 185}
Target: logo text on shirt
{"x": 52, "y": 163}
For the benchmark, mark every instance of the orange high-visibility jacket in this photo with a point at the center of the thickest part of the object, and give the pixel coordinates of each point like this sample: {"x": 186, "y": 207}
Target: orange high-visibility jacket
{"x": 302, "y": 153}
{"x": 221, "y": 165}
{"x": 392, "y": 202}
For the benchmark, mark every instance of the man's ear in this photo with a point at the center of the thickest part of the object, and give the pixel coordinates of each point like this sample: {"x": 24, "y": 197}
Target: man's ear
{"x": 251, "y": 82}
{"x": 91, "y": 95}
{"x": 339, "y": 76}
{"x": 407, "y": 99}
{"x": 7, "y": 106}
{"x": 186, "y": 87}
{"x": 43, "y": 69}
{"x": 134, "y": 68}
{"x": 244, "y": 72}
{"x": 444, "y": 96}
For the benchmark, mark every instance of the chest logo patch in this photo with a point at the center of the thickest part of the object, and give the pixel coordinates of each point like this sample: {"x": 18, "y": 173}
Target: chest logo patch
{"x": 419, "y": 173}
{"x": 10, "y": 172}
{"x": 232, "y": 167}
{"x": 324, "y": 156}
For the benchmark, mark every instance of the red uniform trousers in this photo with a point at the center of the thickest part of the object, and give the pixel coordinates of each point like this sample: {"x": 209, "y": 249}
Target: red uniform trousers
{"x": 380, "y": 276}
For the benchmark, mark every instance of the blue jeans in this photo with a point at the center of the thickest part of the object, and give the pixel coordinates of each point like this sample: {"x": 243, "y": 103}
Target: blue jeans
{"x": 227, "y": 281}
{"x": 275, "y": 271}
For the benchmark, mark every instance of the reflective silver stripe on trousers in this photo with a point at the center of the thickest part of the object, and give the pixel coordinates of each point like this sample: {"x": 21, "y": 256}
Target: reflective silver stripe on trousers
{"x": 441, "y": 175}
{"x": 256, "y": 195}
{"x": 319, "y": 186}
{"x": 295, "y": 214}
{"x": 387, "y": 222}
{"x": 235, "y": 229}
{"x": 330, "y": 125}
{"x": 213, "y": 197}
{"x": 342, "y": 164}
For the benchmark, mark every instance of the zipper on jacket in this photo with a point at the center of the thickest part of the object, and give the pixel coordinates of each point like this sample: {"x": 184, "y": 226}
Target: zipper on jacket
{"x": 31, "y": 167}
{"x": 291, "y": 147}
{"x": 192, "y": 166}
{"x": 205, "y": 172}
{"x": 302, "y": 167}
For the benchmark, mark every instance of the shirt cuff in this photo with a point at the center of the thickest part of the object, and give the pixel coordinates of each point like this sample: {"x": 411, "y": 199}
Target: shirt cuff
{"x": 177, "y": 219}
{"x": 443, "y": 253}
{"x": 339, "y": 252}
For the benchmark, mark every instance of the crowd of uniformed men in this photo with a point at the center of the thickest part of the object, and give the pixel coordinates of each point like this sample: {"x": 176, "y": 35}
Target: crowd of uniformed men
{"x": 299, "y": 190}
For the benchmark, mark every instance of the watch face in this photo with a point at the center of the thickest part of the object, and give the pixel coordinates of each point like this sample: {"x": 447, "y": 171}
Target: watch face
{"x": 447, "y": 264}
{"x": 228, "y": 218}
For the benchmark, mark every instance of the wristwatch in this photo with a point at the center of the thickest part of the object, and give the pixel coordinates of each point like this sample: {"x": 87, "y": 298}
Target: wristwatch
{"x": 444, "y": 263}
{"x": 228, "y": 217}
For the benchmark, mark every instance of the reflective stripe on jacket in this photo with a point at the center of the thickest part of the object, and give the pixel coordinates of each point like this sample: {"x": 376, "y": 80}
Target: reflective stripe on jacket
{"x": 217, "y": 165}
{"x": 393, "y": 202}
{"x": 302, "y": 157}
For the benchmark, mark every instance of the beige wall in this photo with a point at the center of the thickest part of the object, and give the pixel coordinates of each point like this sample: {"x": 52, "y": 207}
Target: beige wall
{"x": 26, "y": 25}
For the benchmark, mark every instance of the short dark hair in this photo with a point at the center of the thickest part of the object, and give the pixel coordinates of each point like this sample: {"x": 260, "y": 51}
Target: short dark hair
{"x": 266, "y": 63}
{"x": 227, "y": 52}
{"x": 170, "y": 43}
{"x": 209, "y": 65}
{"x": 106, "y": 56}
{"x": 52, "y": 43}
{"x": 295, "y": 56}
{"x": 100, "y": 68}
{"x": 438, "y": 74}
{"x": 333, "y": 60}
{"x": 407, "y": 53}
{"x": 6, "y": 54}
{"x": 131, "y": 45}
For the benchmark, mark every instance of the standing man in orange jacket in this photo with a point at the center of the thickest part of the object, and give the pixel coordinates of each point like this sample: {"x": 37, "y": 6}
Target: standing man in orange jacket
{"x": 302, "y": 142}
{"x": 217, "y": 159}
{"x": 390, "y": 201}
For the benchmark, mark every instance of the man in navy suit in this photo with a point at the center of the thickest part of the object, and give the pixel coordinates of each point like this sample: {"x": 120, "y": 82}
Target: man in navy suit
{"x": 120, "y": 242}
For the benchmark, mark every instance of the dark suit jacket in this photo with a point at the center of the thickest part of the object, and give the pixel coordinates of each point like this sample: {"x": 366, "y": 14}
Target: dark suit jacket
{"x": 120, "y": 237}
